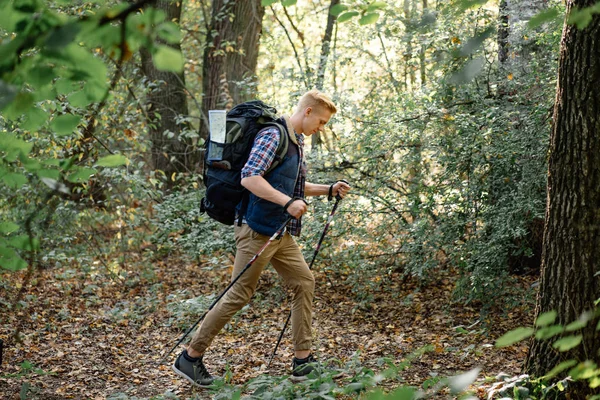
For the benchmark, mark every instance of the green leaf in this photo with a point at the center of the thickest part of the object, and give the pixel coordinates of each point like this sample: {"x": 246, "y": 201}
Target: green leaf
{"x": 66, "y": 86}
{"x": 549, "y": 331}
{"x": 24, "y": 242}
{"x": 460, "y": 383}
{"x": 376, "y": 5}
{"x": 267, "y": 3}
{"x": 338, "y": 9}
{"x": 403, "y": 393}
{"x": 288, "y": 3}
{"x": 560, "y": 368}
{"x": 13, "y": 146}
{"x": 167, "y": 59}
{"x": 30, "y": 164}
{"x": 546, "y": 318}
{"x": 514, "y": 336}
{"x": 9, "y": 17}
{"x": 62, "y": 36}
{"x": 464, "y": 5}
{"x": 543, "y": 17}
{"x": 80, "y": 99}
{"x": 34, "y": 119}
{"x": 580, "y": 17}
{"x": 170, "y": 32}
{"x": 347, "y": 16}
{"x": 9, "y": 259}
{"x": 7, "y": 227}
{"x": 94, "y": 91}
{"x": 575, "y": 325}
{"x": 64, "y": 125}
{"x": 114, "y": 160}
{"x": 19, "y": 106}
{"x": 584, "y": 370}
{"x": 367, "y": 19}
{"x": 81, "y": 175}
{"x": 48, "y": 173}
{"x": 567, "y": 343}
{"x": 7, "y": 93}
{"x": 14, "y": 180}
{"x": 40, "y": 76}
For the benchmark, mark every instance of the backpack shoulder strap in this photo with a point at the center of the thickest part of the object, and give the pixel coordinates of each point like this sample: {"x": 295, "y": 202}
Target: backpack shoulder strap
{"x": 282, "y": 148}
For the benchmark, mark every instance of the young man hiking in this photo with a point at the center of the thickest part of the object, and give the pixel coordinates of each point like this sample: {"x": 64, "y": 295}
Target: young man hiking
{"x": 273, "y": 198}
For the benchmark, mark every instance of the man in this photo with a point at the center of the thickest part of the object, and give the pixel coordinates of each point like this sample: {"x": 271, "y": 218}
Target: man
{"x": 273, "y": 198}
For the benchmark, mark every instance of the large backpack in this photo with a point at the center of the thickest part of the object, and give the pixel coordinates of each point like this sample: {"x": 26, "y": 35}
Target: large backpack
{"x": 224, "y": 161}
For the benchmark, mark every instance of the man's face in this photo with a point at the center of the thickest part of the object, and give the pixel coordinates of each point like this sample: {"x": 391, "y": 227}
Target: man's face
{"x": 315, "y": 119}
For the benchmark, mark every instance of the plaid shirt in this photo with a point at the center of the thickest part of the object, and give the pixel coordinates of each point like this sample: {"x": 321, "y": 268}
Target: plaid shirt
{"x": 262, "y": 156}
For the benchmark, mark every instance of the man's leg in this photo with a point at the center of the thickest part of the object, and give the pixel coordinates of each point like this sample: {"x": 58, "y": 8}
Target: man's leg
{"x": 290, "y": 264}
{"x": 189, "y": 364}
{"x": 248, "y": 244}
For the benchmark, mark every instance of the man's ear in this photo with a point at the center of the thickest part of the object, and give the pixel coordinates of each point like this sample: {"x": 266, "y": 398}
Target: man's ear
{"x": 307, "y": 111}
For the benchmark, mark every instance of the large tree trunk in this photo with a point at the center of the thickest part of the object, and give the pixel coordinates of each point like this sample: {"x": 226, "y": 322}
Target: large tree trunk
{"x": 571, "y": 251}
{"x": 231, "y": 55}
{"x": 166, "y": 102}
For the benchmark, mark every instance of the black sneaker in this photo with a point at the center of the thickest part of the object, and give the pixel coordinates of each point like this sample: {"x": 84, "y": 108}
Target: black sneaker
{"x": 302, "y": 367}
{"x": 193, "y": 370}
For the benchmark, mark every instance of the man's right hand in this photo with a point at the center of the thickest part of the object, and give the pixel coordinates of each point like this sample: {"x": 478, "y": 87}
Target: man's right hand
{"x": 297, "y": 208}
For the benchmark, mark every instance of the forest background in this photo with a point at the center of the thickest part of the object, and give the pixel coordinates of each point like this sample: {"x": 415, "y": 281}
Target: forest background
{"x": 443, "y": 130}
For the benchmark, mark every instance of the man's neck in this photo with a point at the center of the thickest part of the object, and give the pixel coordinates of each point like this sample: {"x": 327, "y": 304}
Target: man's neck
{"x": 296, "y": 120}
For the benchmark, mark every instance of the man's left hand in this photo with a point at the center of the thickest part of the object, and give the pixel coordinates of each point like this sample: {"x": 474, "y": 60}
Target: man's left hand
{"x": 340, "y": 188}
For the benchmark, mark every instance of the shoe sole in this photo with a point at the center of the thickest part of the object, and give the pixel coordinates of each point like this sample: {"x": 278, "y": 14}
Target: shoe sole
{"x": 294, "y": 378}
{"x": 187, "y": 378}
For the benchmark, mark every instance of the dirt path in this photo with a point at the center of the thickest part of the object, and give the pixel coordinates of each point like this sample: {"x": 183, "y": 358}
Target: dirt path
{"x": 94, "y": 337}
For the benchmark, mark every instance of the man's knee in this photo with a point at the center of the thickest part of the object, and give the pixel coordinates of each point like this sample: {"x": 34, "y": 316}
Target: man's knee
{"x": 239, "y": 298}
{"x": 305, "y": 284}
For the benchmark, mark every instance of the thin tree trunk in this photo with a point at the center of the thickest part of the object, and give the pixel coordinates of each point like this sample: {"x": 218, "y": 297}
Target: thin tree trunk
{"x": 166, "y": 102}
{"x": 325, "y": 50}
{"x": 422, "y": 60}
{"x": 502, "y": 31}
{"x": 408, "y": 55}
{"x": 231, "y": 55}
{"x": 571, "y": 252}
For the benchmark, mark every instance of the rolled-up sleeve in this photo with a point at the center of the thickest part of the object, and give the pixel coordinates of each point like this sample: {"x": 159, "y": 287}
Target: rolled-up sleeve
{"x": 262, "y": 153}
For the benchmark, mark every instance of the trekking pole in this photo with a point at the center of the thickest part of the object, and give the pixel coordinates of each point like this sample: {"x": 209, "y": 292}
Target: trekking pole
{"x": 267, "y": 243}
{"x": 329, "y": 219}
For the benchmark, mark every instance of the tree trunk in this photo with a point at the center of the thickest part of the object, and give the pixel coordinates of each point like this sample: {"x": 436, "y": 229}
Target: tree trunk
{"x": 422, "y": 59}
{"x": 503, "y": 31}
{"x": 325, "y": 49}
{"x": 166, "y": 102}
{"x": 231, "y": 55}
{"x": 514, "y": 45}
{"x": 571, "y": 250}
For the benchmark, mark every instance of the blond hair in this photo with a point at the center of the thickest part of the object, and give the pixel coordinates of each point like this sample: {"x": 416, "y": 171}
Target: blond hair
{"x": 314, "y": 98}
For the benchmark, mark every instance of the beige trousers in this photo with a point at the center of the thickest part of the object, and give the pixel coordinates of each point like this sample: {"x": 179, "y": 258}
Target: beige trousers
{"x": 285, "y": 256}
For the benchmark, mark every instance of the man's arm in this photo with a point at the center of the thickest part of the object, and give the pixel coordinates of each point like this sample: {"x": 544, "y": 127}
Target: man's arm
{"x": 260, "y": 159}
{"x": 261, "y": 188}
{"x": 314, "y": 189}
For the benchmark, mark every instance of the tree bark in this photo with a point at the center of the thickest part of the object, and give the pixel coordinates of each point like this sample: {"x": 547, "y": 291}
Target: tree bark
{"x": 166, "y": 103}
{"x": 325, "y": 50}
{"x": 231, "y": 55}
{"x": 514, "y": 46}
{"x": 571, "y": 250}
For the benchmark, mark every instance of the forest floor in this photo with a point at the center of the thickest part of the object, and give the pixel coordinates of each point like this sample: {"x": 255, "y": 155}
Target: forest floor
{"x": 91, "y": 335}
